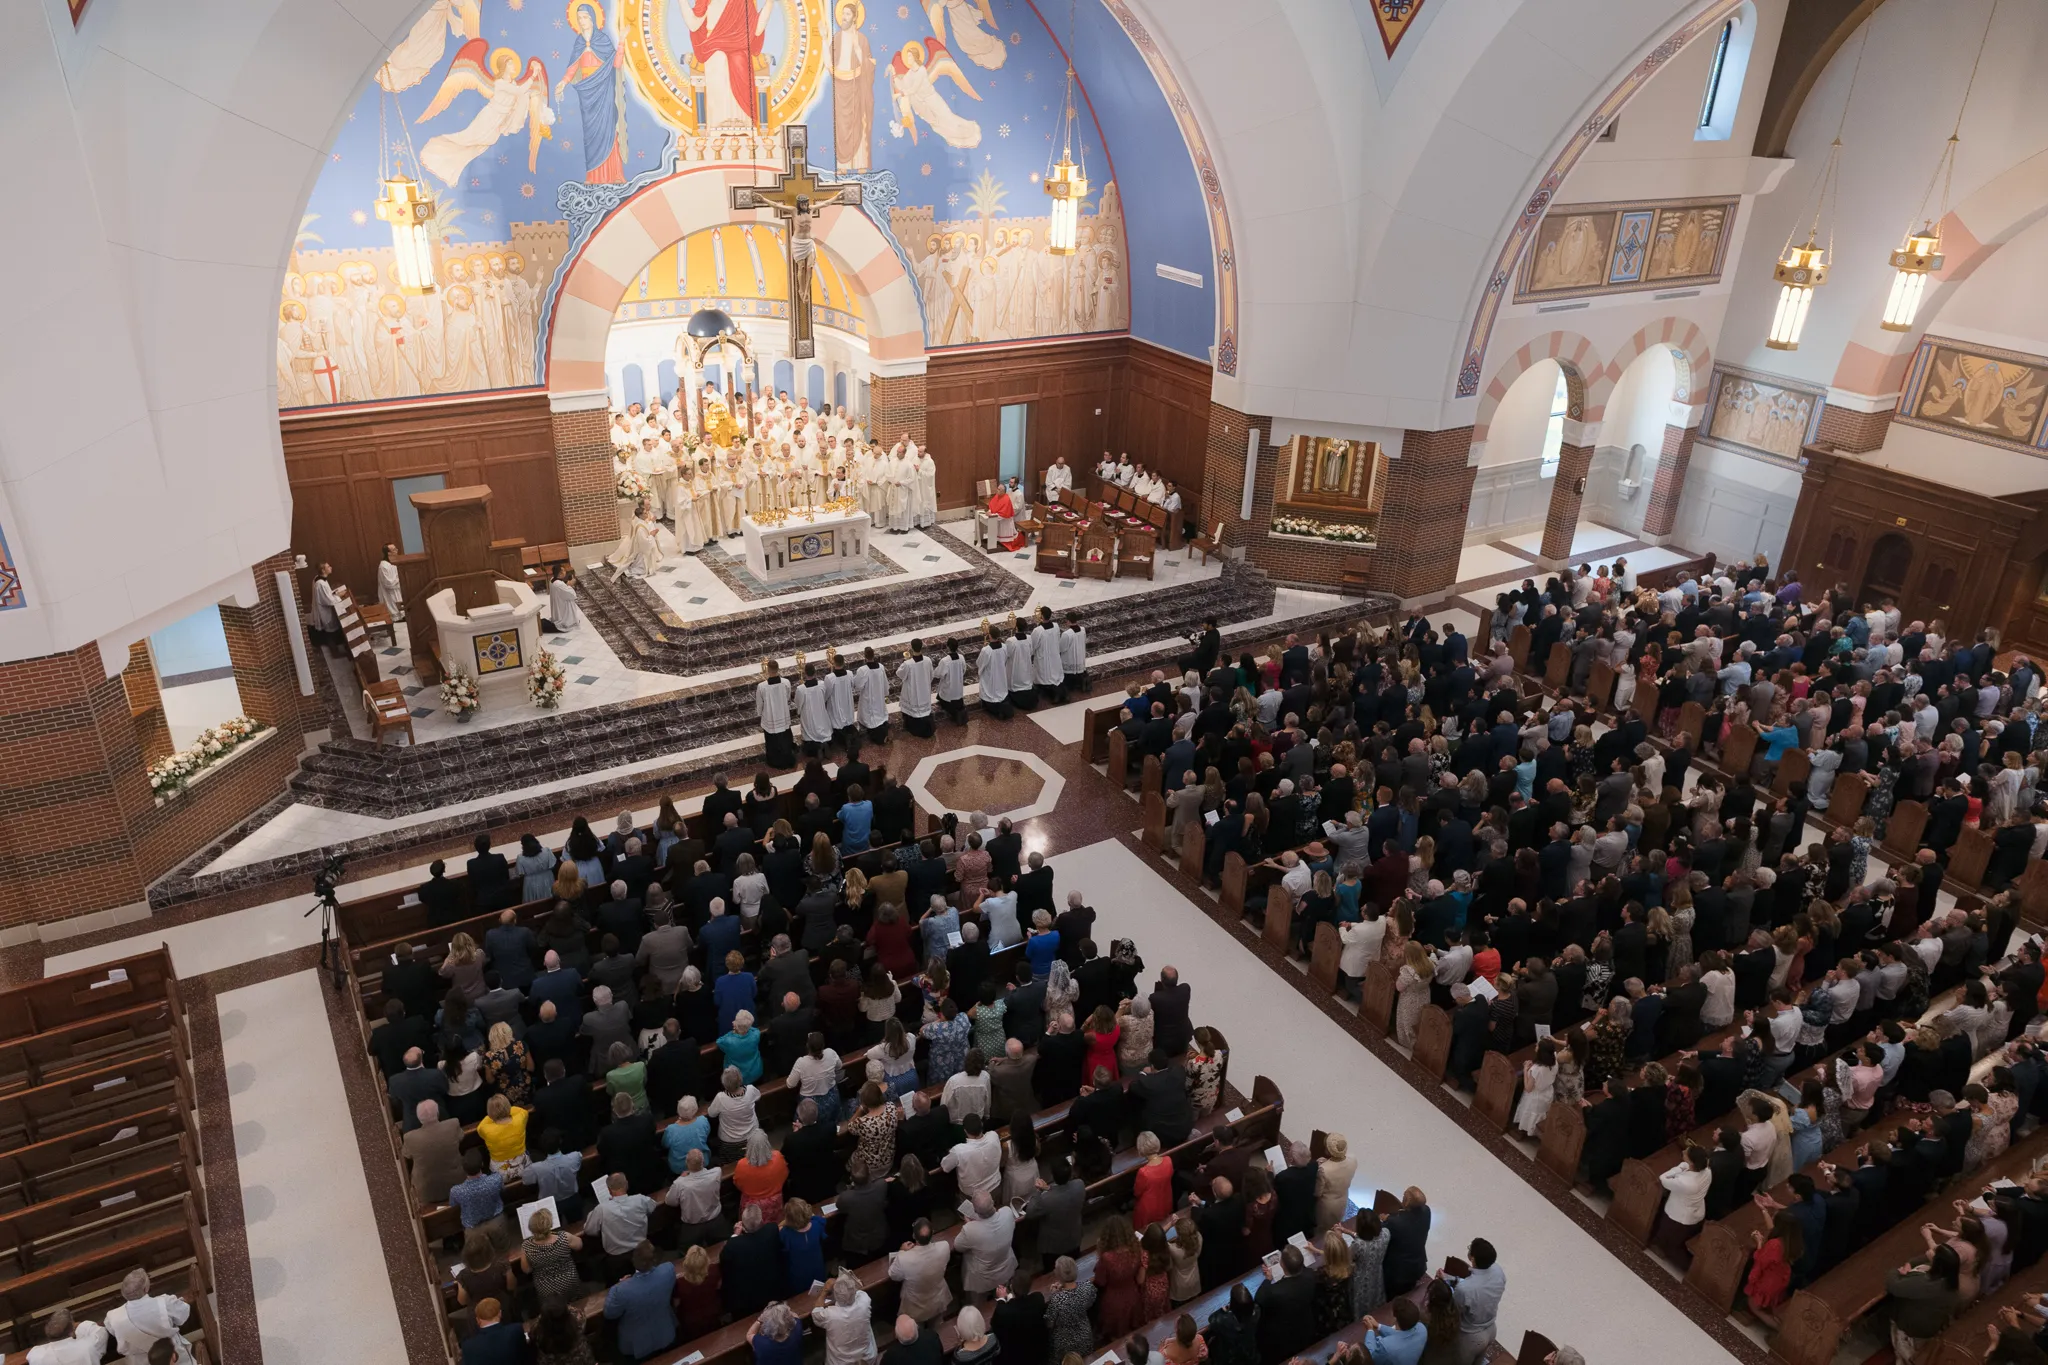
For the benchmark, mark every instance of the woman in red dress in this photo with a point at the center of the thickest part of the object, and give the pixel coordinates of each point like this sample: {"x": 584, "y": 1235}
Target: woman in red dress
{"x": 1154, "y": 1185}
{"x": 1770, "y": 1269}
{"x": 1119, "y": 1281}
{"x": 1158, "y": 1271}
{"x": 1103, "y": 1035}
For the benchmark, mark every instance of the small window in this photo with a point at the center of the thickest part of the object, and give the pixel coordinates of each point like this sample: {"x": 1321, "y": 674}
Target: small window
{"x": 1553, "y": 435}
{"x": 1715, "y": 73}
{"x": 1725, "y": 72}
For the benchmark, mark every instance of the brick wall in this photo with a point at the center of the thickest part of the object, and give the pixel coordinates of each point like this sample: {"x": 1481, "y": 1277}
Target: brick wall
{"x": 896, "y": 405}
{"x": 1847, "y": 429}
{"x": 1662, "y": 513}
{"x": 260, "y": 651}
{"x": 80, "y": 831}
{"x": 1422, "y": 518}
{"x": 146, "y": 702}
{"x": 1567, "y": 495}
{"x": 583, "y": 465}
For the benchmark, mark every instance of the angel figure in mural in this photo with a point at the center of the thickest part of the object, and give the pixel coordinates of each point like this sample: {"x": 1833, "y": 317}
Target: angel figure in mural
{"x": 913, "y": 87}
{"x": 1984, "y": 393}
{"x": 416, "y": 57}
{"x": 515, "y": 98}
{"x": 600, "y": 95}
{"x": 982, "y": 46}
{"x": 1576, "y": 257}
{"x": 724, "y": 36}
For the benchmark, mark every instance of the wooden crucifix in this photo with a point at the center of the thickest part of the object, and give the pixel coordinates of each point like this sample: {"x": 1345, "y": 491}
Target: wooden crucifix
{"x": 795, "y": 199}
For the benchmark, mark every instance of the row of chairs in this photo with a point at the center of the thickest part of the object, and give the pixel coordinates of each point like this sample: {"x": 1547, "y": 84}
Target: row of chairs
{"x": 99, "y": 1149}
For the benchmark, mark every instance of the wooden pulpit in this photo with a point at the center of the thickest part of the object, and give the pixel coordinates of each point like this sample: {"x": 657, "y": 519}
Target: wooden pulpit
{"x": 455, "y": 527}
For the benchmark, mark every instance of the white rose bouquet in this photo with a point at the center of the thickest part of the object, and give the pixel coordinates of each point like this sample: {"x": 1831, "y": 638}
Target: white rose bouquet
{"x": 459, "y": 695}
{"x": 545, "y": 681}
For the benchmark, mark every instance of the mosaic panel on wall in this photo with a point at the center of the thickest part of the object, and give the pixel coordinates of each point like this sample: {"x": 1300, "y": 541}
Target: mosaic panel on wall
{"x": 1979, "y": 393}
{"x": 1587, "y": 249}
{"x": 1761, "y": 415}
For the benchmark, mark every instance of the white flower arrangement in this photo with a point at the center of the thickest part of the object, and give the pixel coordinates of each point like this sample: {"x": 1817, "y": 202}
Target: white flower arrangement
{"x": 459, "y": 695}
{"x": 168, "y": 776}
{"x": 632, "y": 488}
{"x": 1319, "y": 530}
{"x": 545, "y": 681}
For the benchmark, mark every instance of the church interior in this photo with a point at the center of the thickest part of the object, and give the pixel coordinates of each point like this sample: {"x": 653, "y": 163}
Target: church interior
{"x": 698, "y": 479}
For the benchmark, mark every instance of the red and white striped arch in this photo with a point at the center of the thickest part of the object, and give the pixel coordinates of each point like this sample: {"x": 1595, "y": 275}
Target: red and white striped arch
{"x": 1675, "y": 334}
{"x": 671, "y": 209}
{"x": 1573, "y": 353}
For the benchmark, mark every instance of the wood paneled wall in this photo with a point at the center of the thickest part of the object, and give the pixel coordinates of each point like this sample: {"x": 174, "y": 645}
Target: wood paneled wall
{"x": 1116, "y": 394}
{"x": 1957, "y": 547}
{"x": 341, "y": 465}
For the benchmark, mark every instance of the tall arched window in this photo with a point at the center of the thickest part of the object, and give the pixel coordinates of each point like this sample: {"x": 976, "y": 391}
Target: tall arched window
{"x": 1553, "y": 434}
{"x": 1725, "y": 72}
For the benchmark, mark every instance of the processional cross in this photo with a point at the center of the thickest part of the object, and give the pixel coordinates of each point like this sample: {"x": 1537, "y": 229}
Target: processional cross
{"x": 795, "y": 199}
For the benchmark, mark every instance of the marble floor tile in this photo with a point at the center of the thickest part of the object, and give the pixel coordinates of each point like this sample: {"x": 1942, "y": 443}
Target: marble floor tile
{"x": 1485, "y": 564}
{"x": 209, "y": 944}
{"x": 1589, "y": 538}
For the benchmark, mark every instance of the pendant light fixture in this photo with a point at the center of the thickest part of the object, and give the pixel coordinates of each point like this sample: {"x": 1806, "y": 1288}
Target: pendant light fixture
{"x": 1065, "y": 181}
{"x": 1804, "y": 268}
{"x": 1919, "y": 254}
{"x": 403, "y": 199}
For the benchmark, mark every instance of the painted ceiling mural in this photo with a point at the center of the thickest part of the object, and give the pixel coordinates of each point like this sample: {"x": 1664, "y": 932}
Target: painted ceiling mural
{"x": 532, "y": 121}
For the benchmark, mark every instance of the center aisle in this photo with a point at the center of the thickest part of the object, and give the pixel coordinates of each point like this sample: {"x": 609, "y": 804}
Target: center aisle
{"x": 1561, "y": 1282}
{"x": 314, "y": 1252}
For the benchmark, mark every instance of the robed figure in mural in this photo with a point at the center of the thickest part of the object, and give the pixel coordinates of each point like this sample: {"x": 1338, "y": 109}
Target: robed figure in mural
{"x": 600, "y": 95}
{"x": 724, "y": 36}
{"x": 853, "y": 100}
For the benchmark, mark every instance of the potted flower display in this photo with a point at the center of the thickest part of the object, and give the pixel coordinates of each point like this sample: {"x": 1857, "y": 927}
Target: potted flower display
{"x": 632, "y": 488}
{"x": 459, "y": 695}
{"x": 1321, "y": 530}
{"x": 169, "y": 775}
{"x": 545, "y": 681}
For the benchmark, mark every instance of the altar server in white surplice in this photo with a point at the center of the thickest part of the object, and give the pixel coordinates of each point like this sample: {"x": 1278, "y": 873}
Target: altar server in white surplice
{"x": 814, "y": 712}
{"x": 914, "y": 691}
{"x": 145, "y": 1319}
{"x": 389, "y": 594}
{"x": 69, "y": 1343}
{"x": 771, "y": 704}
{"x": 562, "y": 611}
{"x": 949, "y": 683}
{"x": 1074, "y": 654}
{"x": 871, "y": 698}
{"x": 326, "y": 609}
{"x": 992, "y": 672}
{"x": 1045, "y": 658}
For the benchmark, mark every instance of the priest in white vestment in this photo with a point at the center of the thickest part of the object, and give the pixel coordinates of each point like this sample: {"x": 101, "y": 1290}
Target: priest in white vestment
{"x": 1057, "y": 477}
{"x": 69, "y": 1342}
{"x": 562, "y": 611}
{"x": 902, "y": 487}
{"x": 389, "y": 594}
{"x": 144, "y": 1319}
{"x": 927, "y": 501}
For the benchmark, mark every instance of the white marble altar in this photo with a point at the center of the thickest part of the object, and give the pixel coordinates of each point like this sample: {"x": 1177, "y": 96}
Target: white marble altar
{"x": 806, "y": 544}
{"x": 494, "y": 643}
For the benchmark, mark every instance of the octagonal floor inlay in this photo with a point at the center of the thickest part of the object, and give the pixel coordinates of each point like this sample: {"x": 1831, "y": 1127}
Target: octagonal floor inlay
{"x": 1003, "y": 782}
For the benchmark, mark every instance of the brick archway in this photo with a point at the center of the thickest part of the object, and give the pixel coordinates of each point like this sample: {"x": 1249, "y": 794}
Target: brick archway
{"x": 1573, "y": 353}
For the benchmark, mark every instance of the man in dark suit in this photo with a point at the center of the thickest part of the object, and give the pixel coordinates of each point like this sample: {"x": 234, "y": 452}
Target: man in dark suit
{"x": 400, "y": 1034}
{"x": 634, "y": 868}
{"x": 928, "y": 1134}
{"x": 1287, "y": 1308}
{"x": 1061, "y": 1053}
{"x": 490, "y": 878}
{"x": 562, "y": 1103}
{"x": 553, "y": 1034}
{"x": 1101, "y": 1107}
{"x": 1470, "y": 1022}
{"x": 620, "y": 916}
{"x": 1159, "y": 1100}
{"x": 1006, "y": 849}
{"x": 1034, "y": 889}
{"x": 789, "y": 1031}
{"x": 733, "y": 840}
{"x": 1407, "y": 1259}
{"x": 1728, "y": 1173}
{"x": 412, "y": 983}
{"x": 1172, "y": 1029}
{"x": 674, "y": 1069}
{"x": 1294, "y": 665}
{"x": 722, "y": 801}
{"x": 1294, "y": 1192}
{"x": 1606, "y": 1134}
{"x": 811, "y": 1151}
{"x": 416, "y": 1082}
{"x": 1208, "y": 648}
{"x": 1219, "y": 1217}
{"x": 1096, "y": 978}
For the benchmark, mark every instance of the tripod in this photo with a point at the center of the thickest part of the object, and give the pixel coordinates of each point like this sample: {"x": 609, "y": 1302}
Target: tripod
{"x": 330, "y": 948}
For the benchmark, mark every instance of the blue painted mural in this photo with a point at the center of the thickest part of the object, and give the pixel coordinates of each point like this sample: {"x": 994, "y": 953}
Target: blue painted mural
{"x": 521, "y": 114}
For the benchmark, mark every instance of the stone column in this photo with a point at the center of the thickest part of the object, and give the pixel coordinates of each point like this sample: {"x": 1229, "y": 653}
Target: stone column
{"x": 1662, "y": 512}
{"x": 1567, "y": 495}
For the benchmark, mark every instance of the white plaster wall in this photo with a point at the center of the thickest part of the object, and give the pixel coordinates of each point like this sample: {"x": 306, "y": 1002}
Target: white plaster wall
{"x": 1964, "y": 464}
{"x": 1507, "y": 499}
{"x": 1914, "y": 70}
{"x": 1517, "y": 430}
{"x": 1734, "y": 505}
{"x": 1606, "y": 501}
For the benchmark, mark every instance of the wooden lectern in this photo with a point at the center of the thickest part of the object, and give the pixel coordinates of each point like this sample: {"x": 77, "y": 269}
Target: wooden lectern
{"x": 455, "y": 527}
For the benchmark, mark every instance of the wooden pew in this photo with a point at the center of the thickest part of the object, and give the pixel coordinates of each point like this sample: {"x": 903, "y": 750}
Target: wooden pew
{"x": 1278, "y": 926}
{"x": 1967, "y": 860}
{"x": 1738, "y": 751}
{"x": 93, "y": 1156}
{"x": 1433, "y": 1041}
{"x": 1518, "y": 647}
{"x": 1819, "y": 1315}
{"x": 1793, "y": 770}
{"x": 89, "y": 1045}
{"x": 1600, "y": 686}
{"x": 88, "y": 993}
{"x": 1194, "y": 847}
{"x": 68, "y": 1225}
{"x": 90, "y": 1284}
{"x": 1846, "y": 797}
{"x": 1692, "y": 720}
{"x": 1119, "y": 758}
{"x": 1153, "y": 805}
{"x": 1500, "y": 1075}
{"x": 1903, "y": 829}
{"x": 92, "y": 1097}
{"x": 1096, "y": 724}
{"x": 1324, "y": 957}
{"x": 1235, "y": 874}
{"x": 1562, "y": 1140}
{"x": 1376, "y": 1002}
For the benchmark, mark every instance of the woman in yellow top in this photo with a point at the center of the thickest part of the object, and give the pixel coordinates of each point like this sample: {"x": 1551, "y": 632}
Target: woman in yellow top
{"x": 503, "y": 1129}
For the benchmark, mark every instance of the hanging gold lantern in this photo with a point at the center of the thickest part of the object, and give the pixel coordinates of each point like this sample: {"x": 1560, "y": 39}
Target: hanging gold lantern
{"x": 406, "y": 205}
{"x": 1800, "y": 271}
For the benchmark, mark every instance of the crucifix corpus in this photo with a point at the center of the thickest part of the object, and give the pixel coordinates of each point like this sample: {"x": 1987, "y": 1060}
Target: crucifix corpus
{"x": 795, "y": 199}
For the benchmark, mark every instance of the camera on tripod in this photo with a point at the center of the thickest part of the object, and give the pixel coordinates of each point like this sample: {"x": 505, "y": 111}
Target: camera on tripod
{"x": 328, "y": 878}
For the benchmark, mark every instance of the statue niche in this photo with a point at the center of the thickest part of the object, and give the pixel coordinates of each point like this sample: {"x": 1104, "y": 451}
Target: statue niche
{"x": 1331, "y": 478}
